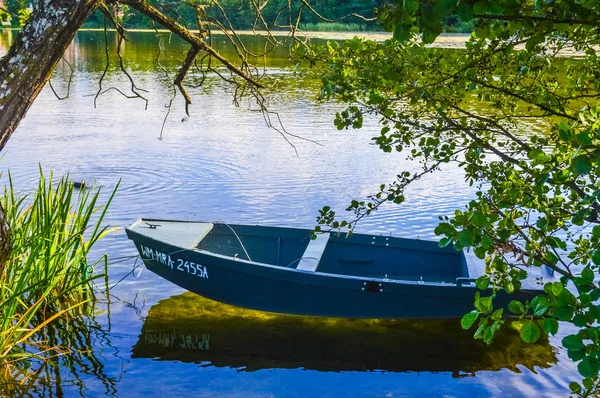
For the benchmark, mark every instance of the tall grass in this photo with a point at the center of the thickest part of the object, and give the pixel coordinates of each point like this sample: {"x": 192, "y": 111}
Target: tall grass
{"x": 47, "y": 275}
{"x": 334, "y": 27}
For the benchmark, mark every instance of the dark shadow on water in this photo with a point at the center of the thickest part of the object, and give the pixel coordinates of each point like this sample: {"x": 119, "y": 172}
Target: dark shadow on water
{"x": 190, "y": 328}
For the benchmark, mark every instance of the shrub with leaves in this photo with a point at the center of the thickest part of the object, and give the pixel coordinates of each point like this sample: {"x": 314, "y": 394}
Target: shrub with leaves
{"x": 517, "y": 110}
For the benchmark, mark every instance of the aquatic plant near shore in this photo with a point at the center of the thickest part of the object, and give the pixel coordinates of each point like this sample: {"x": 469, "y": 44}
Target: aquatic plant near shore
{"x": 47, "y": 275}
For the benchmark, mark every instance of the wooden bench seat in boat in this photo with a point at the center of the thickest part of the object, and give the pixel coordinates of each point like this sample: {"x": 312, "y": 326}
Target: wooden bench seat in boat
{"x": 313, "y": 253}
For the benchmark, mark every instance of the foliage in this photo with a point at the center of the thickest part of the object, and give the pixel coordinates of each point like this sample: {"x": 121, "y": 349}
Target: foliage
{"x": 4, "y": 16}
{"x": 47, "y": 275}
{"x": 241, "y": 14}
{"x": 531, "y": 144}
{"x": 15, "y": 9}
{"x": 24, "y": 15}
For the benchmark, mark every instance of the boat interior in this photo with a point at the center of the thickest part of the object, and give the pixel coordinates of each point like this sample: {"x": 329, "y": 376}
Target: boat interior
{"x": 367, "y": 256}
{"x": 358, "y": 255}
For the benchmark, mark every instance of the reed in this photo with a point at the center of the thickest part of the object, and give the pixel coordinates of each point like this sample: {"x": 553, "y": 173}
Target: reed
{"x": 334, "y": 27}
{"x": 47, "y": 276}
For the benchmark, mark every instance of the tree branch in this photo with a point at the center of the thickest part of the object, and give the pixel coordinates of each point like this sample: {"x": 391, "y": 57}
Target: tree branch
{"x": 186, "y": 35}
{"x": 189, "y": 60}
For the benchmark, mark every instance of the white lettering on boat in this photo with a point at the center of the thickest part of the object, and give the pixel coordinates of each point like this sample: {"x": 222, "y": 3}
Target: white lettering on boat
{"x": 174, "y": 262}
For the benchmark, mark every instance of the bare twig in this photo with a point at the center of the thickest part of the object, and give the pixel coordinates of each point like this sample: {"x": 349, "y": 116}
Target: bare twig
{"x": 189, "y": 60}
{"x": 68, "y": 83}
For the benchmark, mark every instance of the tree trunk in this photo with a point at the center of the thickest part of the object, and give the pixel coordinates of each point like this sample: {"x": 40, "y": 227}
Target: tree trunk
{"x": 28, "y": 65}
{"x": 32, "y": 57}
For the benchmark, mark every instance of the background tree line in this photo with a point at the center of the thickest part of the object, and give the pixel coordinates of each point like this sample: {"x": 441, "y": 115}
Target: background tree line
{"x": 242, "y": 16}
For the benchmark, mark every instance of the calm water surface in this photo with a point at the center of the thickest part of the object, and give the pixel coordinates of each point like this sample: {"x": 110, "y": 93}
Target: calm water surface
{"x": 148, "y": 338}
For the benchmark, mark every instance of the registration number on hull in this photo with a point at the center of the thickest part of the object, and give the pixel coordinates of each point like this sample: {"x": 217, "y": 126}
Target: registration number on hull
{"x": 174, "y": 262}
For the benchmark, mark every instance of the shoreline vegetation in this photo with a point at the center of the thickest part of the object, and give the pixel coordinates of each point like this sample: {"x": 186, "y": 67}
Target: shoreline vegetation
{"x": 444, "y": 40}
{"x": 47, "y": 278}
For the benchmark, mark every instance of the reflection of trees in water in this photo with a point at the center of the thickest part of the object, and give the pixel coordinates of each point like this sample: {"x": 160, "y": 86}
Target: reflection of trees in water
{"x": 76, "y": 336}
{"x": 140, "y": 53}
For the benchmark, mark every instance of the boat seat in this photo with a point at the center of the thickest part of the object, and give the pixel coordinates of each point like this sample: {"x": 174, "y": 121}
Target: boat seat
{"x": 313, "y": 253}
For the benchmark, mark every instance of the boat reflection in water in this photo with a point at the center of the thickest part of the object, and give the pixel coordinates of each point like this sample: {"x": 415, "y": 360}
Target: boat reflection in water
{"x": 190, "y": 328}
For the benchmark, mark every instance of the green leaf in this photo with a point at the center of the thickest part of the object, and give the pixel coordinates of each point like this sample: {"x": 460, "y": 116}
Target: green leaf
{"x": 536, "y": 154}
{"x": 428, "y": 15}
{"x": 530, "y": 332}
{"x": 443, "y": 7}
{"x": 575, "y": 387}
{"x": 583, "y": 138}
{"x": 564, "y": 313}
{"x": 488, "y": 335}
{"x": 576, "y": 355}
{"x": 482, "y": 326}
{"x": 516, "y": 307}
{"x": 483, "y": 282}
{"x": 588, "y": 367}
{"x": 478, "y": 218}
{"x": 480, "y": 252}
{"x": 595, "y": 310}
{"x": 563, "y": 129}
{"x": 444, "y": 242}
{"x": 550, "y": 326}
{"x": 410, "y": 6}
{"x": 469, "y": 319}
{"x": 486, "y": 242}
{"x": 480, "y": 7}
{"x": 556, "y": 288}
{"x": 401, "y": 32}
{"x": 430, "y": 33}
{"x": 497, "y": 315}
{"x": 494, "y": 7}
{"x": 482, "y": 31}
{"x": 509, "y": 287}
{"x": 484, "y": 305}
{"x": 587, "y": 275}
{"x": 466, "y": 237}
{"x": 539, "y": 304}
{"x": 580, "y": 320}
{"x": 581, "y": 164}
{"x": 573, "y": 342}
{"x": 534, "y": 41}
{"x": 596, "y": 257}
{"x": 444, "y": 229}
{"x": 464, "y": 11}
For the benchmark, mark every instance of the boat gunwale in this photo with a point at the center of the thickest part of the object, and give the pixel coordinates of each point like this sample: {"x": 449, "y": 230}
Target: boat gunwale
{"x": 259, "y": 265}
{"x": 444, "y": 250}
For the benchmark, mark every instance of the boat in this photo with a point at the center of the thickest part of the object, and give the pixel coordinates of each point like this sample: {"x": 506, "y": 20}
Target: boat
{"x": 285, "y": 270}
{"x": 190, "y": 328}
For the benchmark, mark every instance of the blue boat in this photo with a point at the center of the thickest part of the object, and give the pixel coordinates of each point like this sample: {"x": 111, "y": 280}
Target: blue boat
{"x": 283, "y": 270}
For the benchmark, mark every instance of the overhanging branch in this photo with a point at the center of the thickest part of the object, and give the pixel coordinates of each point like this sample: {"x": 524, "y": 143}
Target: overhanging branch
{"x": 189, "y": 60}
{"x": 175, "y": 27}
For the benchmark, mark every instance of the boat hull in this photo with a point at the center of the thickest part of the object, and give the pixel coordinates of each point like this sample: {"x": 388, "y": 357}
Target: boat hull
{"x": 291, "y": 291}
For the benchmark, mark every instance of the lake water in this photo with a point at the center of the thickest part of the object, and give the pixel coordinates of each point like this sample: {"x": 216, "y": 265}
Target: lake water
{"x": 149, "y": 338}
